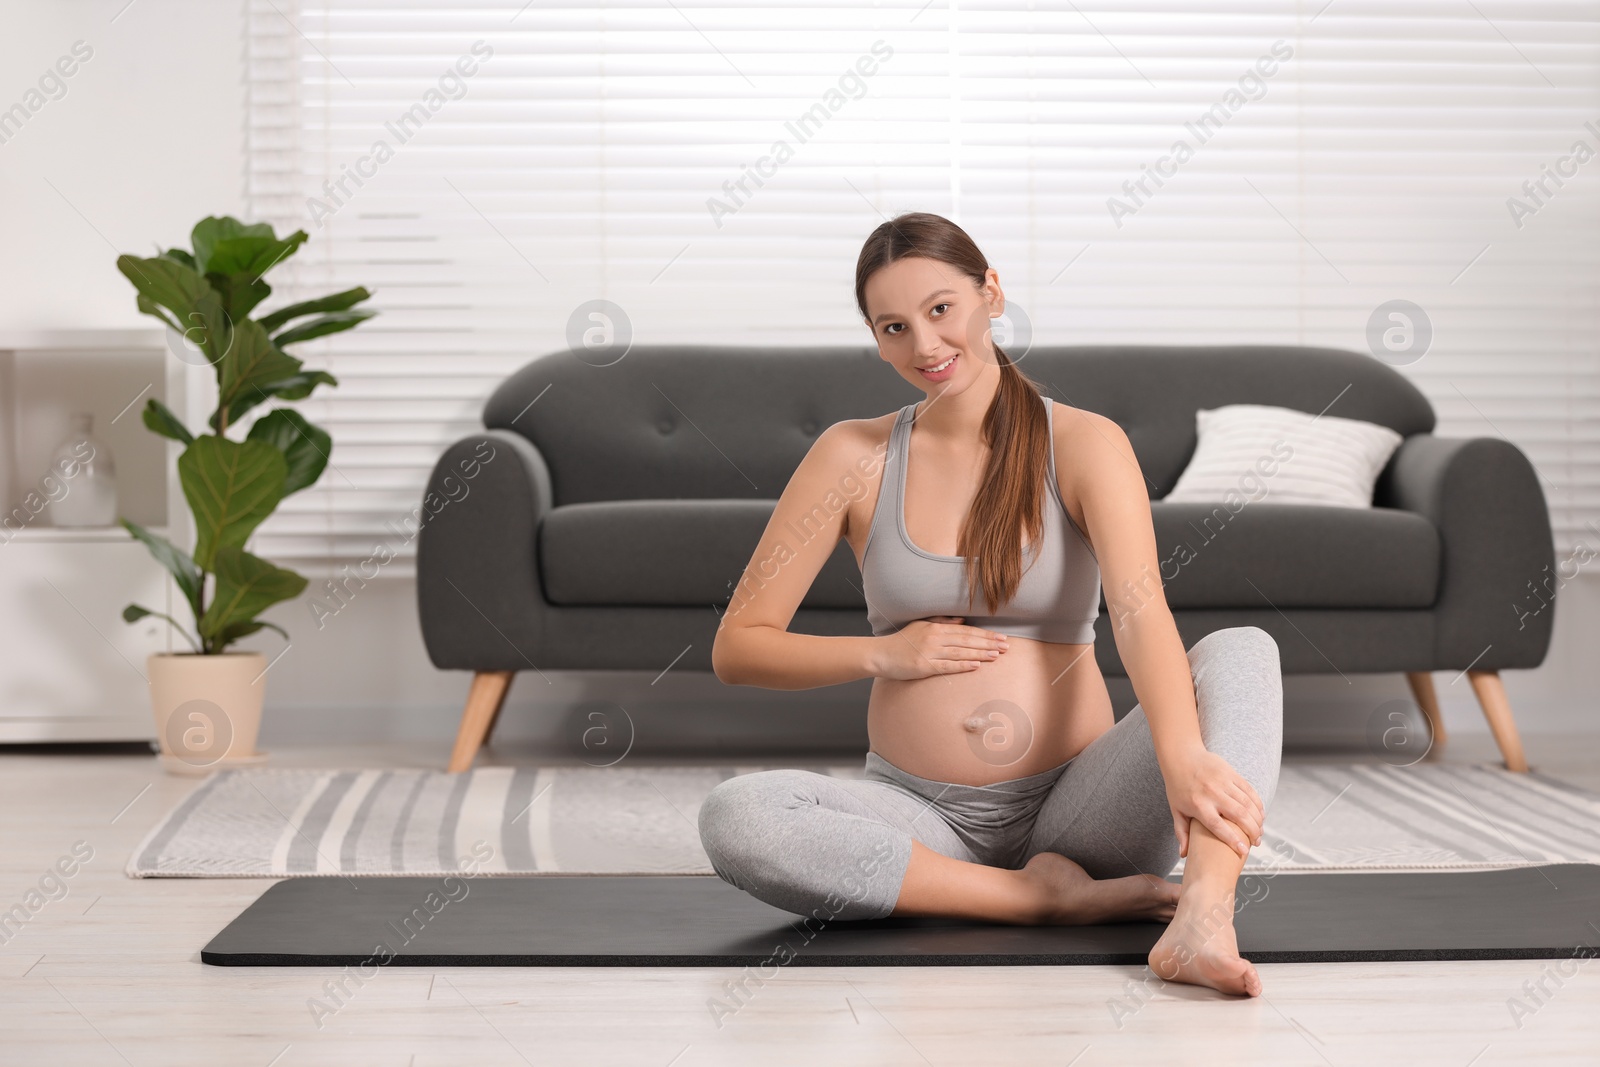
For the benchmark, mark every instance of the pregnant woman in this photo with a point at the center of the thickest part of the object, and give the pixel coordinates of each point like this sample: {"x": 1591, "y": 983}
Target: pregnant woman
{"x": 998, "y": 785}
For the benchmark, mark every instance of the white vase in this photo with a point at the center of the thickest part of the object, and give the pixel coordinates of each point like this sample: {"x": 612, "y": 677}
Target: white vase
{"x": 207, "y": 708}
{"x": 88, "y": 475}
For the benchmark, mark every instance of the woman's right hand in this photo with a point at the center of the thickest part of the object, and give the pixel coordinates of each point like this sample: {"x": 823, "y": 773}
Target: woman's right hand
{"x": 941, "y": 644}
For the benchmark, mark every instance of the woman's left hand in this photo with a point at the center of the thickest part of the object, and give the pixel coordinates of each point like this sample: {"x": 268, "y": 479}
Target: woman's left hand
{"x": 1205, "y": 786}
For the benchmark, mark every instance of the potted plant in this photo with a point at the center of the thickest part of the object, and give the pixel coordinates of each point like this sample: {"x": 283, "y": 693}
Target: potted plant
{"x": 207, "y": 701}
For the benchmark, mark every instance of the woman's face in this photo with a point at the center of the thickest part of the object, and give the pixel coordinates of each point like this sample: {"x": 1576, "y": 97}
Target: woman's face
{"x": 924, "y": 313}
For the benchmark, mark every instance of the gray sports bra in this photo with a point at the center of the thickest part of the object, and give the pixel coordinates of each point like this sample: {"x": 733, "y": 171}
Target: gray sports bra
{"x": 1057, "y": 600}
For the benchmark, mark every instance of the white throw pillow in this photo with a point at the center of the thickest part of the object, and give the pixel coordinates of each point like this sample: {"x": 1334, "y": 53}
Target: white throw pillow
{"x": 1273, "y": 455}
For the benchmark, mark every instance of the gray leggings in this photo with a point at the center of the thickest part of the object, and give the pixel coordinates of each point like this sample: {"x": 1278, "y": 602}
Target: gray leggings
{"x": 838, "y": 848}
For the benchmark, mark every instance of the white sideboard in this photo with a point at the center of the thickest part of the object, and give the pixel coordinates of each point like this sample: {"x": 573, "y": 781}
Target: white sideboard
{"x": 70, "y": 668}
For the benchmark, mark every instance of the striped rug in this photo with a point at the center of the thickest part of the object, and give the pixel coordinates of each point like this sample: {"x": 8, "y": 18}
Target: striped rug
{"x": 642, "y": 820}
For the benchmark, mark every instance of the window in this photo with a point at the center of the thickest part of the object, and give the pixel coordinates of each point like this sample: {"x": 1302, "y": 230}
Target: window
{"x": 1136, "y": 172}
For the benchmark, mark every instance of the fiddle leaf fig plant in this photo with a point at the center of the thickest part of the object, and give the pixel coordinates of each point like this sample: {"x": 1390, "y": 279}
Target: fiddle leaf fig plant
{"x": 206, "y": 295}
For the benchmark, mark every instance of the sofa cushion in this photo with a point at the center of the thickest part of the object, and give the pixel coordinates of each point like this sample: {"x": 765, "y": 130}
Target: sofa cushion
{"x": 1295, "y": 556}
{"x": 1260, "y": 452}
{"x": 677, "y": 552}
{"x": 671, "y": 552}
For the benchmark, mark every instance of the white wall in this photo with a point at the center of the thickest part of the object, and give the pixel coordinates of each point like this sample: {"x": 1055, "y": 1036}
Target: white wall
{"x": 147, "y": 139}
{"x": 145, "y": 142}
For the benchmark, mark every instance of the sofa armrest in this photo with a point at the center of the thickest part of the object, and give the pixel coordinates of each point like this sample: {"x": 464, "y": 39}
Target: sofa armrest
{"x": 1483, "y": 496}
{"x": 479, "y": 595}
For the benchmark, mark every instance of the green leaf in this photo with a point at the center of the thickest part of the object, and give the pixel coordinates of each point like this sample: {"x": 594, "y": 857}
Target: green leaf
{"x": 252, "y": 256}
{"x": 305, "y": 447}
{"x": 246, "y": 586}
{"x": 150, "y": 307}
{"x": 181, "y": 256}
{"x": 212, "y": 229}
{"x": 295, "y": 387}
{"x": 336, "y": 322}
{"x": 253, "y": 362}
{"x": 165, "y": 281}
{"x": 158, "y": 418}
{"x": 133, "y": 613}
{"x": 197, "y": 309}
{"x": 240, "y": 293}
{"x": 231, "y": 487}
{"x": 233, "y": 257}
{"x": 209, "y": 328}
{"x": 333, "y": 302}
{"x": 229, "y": 634}
{"x": 176, "y": 560}
{"x": 299, "y": 386}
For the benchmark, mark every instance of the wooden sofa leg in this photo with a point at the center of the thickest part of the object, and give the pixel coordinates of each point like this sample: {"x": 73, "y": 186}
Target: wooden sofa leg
{"x": 484, "y": 698}
{"x": 1428, "y": 700}
{"x": 1497, "y": 709}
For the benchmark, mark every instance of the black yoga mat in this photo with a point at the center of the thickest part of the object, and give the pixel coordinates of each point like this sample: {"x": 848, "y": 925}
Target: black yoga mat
{"x": 687, "y": 920}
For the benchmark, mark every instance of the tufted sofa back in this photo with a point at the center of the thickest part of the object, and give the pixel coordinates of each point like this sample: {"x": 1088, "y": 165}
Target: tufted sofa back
{"x": 732, "y": 421}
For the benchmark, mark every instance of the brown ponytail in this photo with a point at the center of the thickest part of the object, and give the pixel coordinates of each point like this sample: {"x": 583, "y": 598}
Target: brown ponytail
{"x": 1011, "y": 496}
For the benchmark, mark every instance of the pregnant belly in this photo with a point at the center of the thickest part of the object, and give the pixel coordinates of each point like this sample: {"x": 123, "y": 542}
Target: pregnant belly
{"x": 1035, "y": 707}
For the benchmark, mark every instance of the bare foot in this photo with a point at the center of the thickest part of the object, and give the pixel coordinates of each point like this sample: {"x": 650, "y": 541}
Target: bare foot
{"x": 1072, "y": 897}
{"x": 1200, "y": 947}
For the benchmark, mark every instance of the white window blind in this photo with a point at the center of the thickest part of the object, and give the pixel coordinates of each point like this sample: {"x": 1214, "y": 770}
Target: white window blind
{"x": 713, "y": 170}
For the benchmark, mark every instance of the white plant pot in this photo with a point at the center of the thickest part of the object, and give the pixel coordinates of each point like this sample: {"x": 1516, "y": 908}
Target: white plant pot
{"x": 207, "y": 708}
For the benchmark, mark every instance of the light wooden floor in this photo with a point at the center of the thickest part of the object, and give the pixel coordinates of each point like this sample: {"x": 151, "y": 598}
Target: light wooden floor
{"x": 110, "y": 974}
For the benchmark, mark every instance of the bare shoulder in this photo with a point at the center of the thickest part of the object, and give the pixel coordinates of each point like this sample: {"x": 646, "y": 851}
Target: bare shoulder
{"x": 855, "y": 443}
{"x": 1100, "y": 481}
{"x": 1088, "y": 444}
{"x": 847, "y": 457}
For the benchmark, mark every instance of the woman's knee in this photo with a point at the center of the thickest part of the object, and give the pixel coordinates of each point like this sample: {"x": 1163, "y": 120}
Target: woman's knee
{"x": 735, "y": 815}
{"x": 1235, "y": 641}
{"x": 1240, "y": 662}
{"x": 1239, "y": 693}
{"x": 768, "y": 833}
{"x": 720, "y": 814}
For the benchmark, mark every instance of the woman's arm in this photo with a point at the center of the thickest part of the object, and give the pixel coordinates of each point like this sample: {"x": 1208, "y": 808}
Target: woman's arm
{"x": 753, "y": 645}
{"x": 773, "y": 658}
{"x": 1109, "y": 486}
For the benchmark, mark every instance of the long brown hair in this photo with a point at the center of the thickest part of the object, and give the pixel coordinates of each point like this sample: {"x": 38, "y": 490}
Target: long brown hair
{"x": 1011, "y": 496}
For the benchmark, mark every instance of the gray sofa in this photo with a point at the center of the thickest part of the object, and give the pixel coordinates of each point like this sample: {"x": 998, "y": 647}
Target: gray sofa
{"x": 602, "y": 516}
